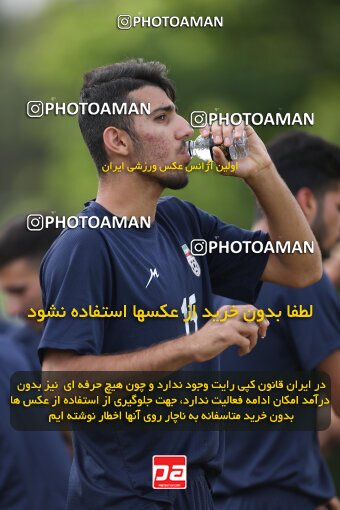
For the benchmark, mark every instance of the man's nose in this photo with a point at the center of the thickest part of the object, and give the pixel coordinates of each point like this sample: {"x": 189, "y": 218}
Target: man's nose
{"x": 184, "y": 129}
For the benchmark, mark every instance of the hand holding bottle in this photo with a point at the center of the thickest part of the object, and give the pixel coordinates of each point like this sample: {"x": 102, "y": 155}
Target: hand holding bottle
{"x": 257, "y": 160}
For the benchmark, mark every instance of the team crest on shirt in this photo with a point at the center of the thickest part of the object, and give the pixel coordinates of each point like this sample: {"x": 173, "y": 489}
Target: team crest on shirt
{"x": 196, "y": 269}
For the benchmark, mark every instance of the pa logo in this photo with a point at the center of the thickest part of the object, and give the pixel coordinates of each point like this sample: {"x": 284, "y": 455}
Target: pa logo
{"x": 169, "y": 472}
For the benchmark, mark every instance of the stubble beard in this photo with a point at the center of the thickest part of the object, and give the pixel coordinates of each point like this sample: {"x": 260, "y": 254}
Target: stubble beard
{"x": 172, "y": 179}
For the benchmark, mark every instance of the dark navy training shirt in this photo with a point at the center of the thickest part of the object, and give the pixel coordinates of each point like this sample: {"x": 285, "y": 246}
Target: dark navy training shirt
{"x": 34, "y": 466}
{"x": 283, "y": 459}
{"x": 147, "y": 267}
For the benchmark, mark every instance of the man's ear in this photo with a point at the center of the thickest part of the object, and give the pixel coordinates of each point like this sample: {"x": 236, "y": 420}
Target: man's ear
{"x": 308, "y": 203}
{"x": 116, "y": 141}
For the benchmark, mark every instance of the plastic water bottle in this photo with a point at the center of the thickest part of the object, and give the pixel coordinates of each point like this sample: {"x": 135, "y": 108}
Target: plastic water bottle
{"x": 202, "y": 147}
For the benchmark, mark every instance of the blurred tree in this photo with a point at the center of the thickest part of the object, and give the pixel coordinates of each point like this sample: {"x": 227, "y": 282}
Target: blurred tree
{"x": 270, "y": 56}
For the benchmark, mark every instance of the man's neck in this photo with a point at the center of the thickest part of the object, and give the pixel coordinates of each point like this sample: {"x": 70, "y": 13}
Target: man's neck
{"x": 129, "y": 195}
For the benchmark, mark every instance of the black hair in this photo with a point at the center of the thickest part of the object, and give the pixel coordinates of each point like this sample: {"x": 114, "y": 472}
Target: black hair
{"x": 16, "y": 241}
{"x": 113, "y": 83}
{"x": 304, "y": 160}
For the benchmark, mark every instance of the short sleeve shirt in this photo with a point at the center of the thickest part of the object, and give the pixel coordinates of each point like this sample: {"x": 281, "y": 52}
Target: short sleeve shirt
{"x": 277, "y": 458}
{"x": 146, "y": 267}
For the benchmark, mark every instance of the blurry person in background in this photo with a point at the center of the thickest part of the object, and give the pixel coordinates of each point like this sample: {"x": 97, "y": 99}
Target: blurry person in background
{"x": 274, "y": 470}
{"x": 21, "y": 253}
{"x": 330, "y": 438}
{"x": 34, "y": 465}
{"x": 332, "y": 266}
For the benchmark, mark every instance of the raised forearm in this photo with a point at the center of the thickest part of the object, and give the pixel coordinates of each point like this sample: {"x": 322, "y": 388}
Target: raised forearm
{"x": 167, "y": 356}
{"x": 285, "y": 219}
